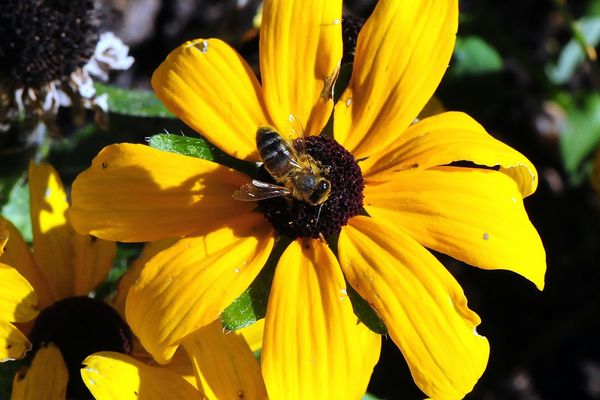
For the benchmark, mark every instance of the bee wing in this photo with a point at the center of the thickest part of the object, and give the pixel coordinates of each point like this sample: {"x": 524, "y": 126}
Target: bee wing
{"x": 297, "y": 141}
{"x": 258, "y": 190}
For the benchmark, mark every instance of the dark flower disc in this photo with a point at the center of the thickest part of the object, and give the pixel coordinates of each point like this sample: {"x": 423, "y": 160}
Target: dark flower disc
{"x": 45, "y": 40}
{"x": 79, "y": 327}
{"x": 296, "y": 218}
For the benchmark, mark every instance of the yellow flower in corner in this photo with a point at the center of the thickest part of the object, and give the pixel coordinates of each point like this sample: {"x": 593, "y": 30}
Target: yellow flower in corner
{"x": 67, "y": 325}
{"x": 60, "y": 271}
{"x": 393, "y": 190}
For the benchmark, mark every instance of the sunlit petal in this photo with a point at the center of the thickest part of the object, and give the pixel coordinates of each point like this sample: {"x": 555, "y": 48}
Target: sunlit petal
{"x": 402, "y": 53}
{"x": 134, "y": 193}
{"x": 211, "y": 88}
{"x": 110, "y": 375}
{"x": 225, "y": 365}
{"x": 474, "y": 215}
{"x": 254, "y": 334}
{"x": 446, "y": 138}
{"x": 300, "y": 52}
{"x": 188, "y": 285}
{"x": 18, "y": 301}
{"x": 314, "y": 346}
{"x": 52, "y": 234}
{"x": 422, "y": 305}
{"x": 13, "y": 343}
{"x": 18, "y": 255}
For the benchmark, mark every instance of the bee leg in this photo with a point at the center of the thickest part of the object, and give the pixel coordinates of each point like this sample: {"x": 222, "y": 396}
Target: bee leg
{"x": 322, "y": 238}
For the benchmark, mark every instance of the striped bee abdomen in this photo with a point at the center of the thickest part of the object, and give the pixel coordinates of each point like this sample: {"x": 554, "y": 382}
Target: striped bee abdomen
{"x": 274, "y": 152}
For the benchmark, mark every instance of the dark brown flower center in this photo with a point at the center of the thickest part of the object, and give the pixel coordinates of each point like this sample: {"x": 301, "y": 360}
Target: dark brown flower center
{"x": 296, "y": 218}
{"x": 45, "y": 40}
{"x": 79, "y": 327}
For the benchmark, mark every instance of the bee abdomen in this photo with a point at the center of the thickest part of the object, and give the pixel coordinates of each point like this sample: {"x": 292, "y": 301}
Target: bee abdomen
{"x": 273, "y": 151}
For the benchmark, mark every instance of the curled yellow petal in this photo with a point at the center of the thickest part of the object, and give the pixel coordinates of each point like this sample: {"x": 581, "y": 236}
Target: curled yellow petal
{"x": 423, "y": 306}
{"x": 444, "y": 139}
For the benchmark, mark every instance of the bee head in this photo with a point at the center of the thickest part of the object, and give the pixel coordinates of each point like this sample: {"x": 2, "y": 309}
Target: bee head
{"x": 321, "y": 192}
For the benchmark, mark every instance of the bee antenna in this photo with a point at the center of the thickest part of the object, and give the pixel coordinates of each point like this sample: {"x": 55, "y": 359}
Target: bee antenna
{"x": 318, "y": 214}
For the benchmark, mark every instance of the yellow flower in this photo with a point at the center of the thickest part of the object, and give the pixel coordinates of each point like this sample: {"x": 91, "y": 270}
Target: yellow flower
{"x": 415, "y": 197}
{"x": 62, "y": 269}
{"x": 222, "y": 364}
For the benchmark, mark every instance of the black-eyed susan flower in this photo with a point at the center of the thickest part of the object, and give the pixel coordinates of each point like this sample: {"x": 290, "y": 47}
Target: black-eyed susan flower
{"x": 223, "y": 364}
{"x": 67, "y": 325}
{"x": 62, "y": 268}
{"x": 48, "y": 54}
{"x": 398, "y": 188}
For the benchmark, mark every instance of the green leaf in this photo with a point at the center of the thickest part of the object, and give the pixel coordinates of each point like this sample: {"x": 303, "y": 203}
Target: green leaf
{"x": 188, "y": 146}
{"x": 572, "y": 55}
{"x": 134, "y": 102}
{"x": 581, "y": 135}
{"x": 16, "y": 210}
{"x": 475, "y": 56}
{"x": 251, "y": 305}
{"x": 365, "y": 313}
{"x": 369, "y": 396}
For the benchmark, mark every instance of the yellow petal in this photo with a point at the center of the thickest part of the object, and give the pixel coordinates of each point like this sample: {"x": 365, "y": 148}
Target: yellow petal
{"x": 18, "y": 301}
{"x": 115, "y": 376}
{"x": 52, "y": 234}
{"x": 314, "y": 345}
{"x": 254, "y": 334}
{"x": 476, "y": 216}
{"x": 134, "y": 193}
{"x": 300, "y": 53}
{"x": 13, "y": 343}
{"x": 18, "y": 255}
{"x": 211, "y": 88}
{"x": 225, "y": 365}
{"x": 402, "y": 53}
{"x": 188, "y": 285}
{"x": 443, "y": 139}
{"x": 93, "y": 260}
{"x": 422, "y": 305}
{"x": 46, "y": 378}
{"x": 132, "y": 274}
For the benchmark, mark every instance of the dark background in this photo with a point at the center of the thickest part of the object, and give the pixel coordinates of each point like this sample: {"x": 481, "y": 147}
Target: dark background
{"x": 544, "y": 345}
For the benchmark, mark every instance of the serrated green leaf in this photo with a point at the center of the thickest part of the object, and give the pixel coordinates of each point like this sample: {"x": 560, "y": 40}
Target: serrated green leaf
{"x": 134, "y": 102}
{"x": 365, "y": 313}
{"x": 16, "y": 210}
{"x": 475, "y": 56}
{"x": 251, "y": 305}
{"x": 581, "y": 134}
{"x": 572, "y": 55}
{"x": 188, "y": 146}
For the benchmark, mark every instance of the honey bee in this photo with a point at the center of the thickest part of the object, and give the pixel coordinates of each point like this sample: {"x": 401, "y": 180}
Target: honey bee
{"x": 297, "y": 173}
